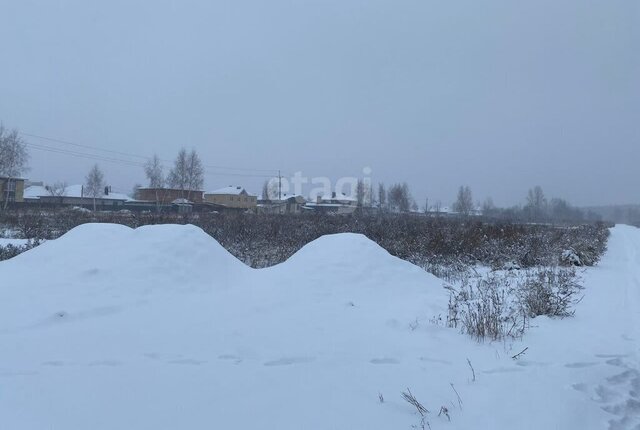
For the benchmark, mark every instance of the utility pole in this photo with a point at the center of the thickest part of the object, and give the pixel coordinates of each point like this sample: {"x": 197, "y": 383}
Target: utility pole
{"x": 279, "y": 186}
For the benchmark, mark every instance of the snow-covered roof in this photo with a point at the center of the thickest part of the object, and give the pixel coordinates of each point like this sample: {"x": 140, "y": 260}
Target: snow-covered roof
{"x": 333, "y": 196}
{"x": 37, "y": 191}
{"x": 286, "y": 196}
{"x": 235, "y": 190}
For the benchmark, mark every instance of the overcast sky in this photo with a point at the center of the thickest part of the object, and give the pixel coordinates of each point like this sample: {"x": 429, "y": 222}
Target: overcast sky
{"x": 499, "y": 95}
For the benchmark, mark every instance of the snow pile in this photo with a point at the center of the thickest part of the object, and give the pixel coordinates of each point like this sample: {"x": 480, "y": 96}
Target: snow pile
{"x": 570, "y": 258}
{"x": 160, "y": 328}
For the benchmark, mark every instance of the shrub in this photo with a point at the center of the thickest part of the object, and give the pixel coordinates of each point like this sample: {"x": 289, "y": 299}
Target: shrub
{"x": 499, "y": 305}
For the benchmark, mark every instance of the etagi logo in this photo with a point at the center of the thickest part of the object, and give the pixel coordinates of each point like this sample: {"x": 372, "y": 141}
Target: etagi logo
{"x": 320, "y": 185}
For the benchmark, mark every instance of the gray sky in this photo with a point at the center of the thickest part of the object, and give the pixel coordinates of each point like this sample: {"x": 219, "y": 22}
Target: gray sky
{"x": 499, "y": 95}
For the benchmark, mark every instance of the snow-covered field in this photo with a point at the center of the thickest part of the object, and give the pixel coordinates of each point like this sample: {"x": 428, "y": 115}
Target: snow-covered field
{"x": 161, "y": 328}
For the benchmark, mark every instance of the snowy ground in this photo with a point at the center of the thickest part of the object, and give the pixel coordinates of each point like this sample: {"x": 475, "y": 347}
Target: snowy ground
{"x": 14, "y": 242}
{"x": 161, "y": 328}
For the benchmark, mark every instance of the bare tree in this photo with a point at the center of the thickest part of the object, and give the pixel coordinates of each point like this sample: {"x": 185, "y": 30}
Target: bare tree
{"x": 400, "y": 198}
{"x": 265, "y": 191}
{"x": 464, "y": 201}
{"x": 536, "y": 203}
{"x": 154, "y": 171}
{"x": 561, "y": 210}
{"x": 371, "y": 201}
{"x": 178, "y": 174}
{"x": 187, "y": 173}
{"x": 95, "y": 184}
{"x": 488, "y": 208}
{"x": 382, "y": 196}
{"x": 58, "y": 189}
{"x": 13, "y": 159}
{"x": 195, "y": 172}
{"x": 360, "y": 193}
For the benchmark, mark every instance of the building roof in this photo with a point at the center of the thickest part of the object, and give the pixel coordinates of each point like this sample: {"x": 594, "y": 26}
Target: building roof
{"x": 337, "y": 196}
{"x": 233, "y": 190}
{"x": 285, "y": 197}
{"x": 170, "y": 189}
{"x": 37, "y": 191}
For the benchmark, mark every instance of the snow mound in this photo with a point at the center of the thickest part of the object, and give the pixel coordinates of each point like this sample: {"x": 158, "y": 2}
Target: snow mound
{"x": 173, "y": 252}
{"x": 94, "y": 266}
{"x": 350, "y": 254}
{"x": 170, "y": 331}
{"x": 341, "y": 248}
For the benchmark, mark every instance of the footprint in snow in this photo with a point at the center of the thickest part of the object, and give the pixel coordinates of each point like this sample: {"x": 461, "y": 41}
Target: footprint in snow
{"x": 434, "y": 360}
{"x": 161, "y": 356}
{"x": 384, "y": 361}
{"x": 611, "y": 355}
{"x": 503, "y": 370}
{"x": 230, "y": 357}
{"x": 582, "y": 387}
{"x": 286, "y": 361}
{"x": 525, "y": 363}
{"x": 187, "y": 361}
{"x": 108, "y": 363}
{"x": 618, "y": 394}
{"x": 54, "y": 363}
{"x": 580, "y": 365}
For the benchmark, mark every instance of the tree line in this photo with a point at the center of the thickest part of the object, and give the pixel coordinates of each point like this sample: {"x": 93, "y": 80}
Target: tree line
{"x": 187, "y": 174}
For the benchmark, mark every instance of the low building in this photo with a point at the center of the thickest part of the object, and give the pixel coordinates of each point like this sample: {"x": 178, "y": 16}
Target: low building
{"x": 231, "y": 197}
{"x": 167, "y": 195}
{"x": 338, "y": 203}
{"x": 287, "y": 204}
{"x": 74, "y": 195}
{"x": 11, "y": 189}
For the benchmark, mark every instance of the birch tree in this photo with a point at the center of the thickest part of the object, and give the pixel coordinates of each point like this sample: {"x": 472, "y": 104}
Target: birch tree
{"x": 94, "y": 184}
{"x": 13, "y": 158}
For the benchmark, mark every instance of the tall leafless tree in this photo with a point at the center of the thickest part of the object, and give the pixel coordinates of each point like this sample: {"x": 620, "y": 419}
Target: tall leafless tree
{"x": 399, "y": 197}
{"x": 371, "y": 197}
{"x": 155, "y": 172}
{"x": 536, "y": 204}
{"x": 464, "y": 202}
{"x": 178, "y": 177}
{"x": 488, "y": 208}
{"x": 195, "y": 172}
{"x": 382, "y": 196}
{"x": 187, "y": 173}
{"x": 265, "y": 191}
{"x": 94, "y": 186}
{"x": 14, "y": 159}
{"x": 360, "y": 192}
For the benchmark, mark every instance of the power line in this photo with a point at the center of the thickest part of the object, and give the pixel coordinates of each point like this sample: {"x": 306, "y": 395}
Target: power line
{"x": 83, "y": 155}
{"x": 129, "y": 163}
{"x": 127, "y": 154}
{"x": 79, "y": 145}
